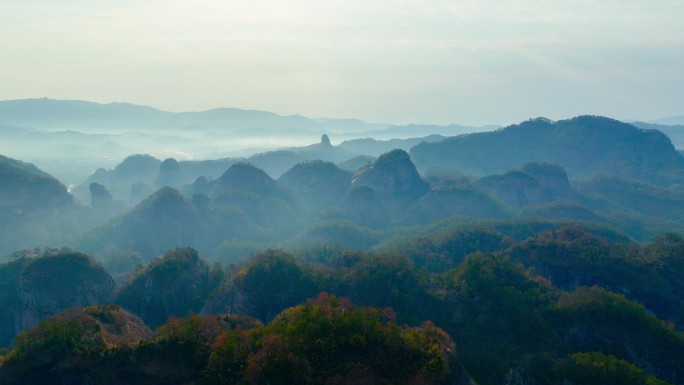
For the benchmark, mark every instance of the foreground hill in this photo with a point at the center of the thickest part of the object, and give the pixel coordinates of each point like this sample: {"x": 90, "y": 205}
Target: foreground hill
{"x": 584, "y": 146}
{"x": 33, "y": 288}
{"x": 323, "y": 341}
{"x": 381, "y": 191}
{"x": 541, "y": 297}
{"x": 174, "y": 284}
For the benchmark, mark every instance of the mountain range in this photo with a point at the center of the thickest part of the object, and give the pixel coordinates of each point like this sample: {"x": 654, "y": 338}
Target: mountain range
{"x": 539, "y": 253}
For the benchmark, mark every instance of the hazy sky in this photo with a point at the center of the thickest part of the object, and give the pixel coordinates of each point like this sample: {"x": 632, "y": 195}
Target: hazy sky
{"x": 432, "y": 61}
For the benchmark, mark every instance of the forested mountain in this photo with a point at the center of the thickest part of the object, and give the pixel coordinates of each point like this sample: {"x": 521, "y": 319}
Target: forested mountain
{"x": 533, "y": 184}
{"x": 674, "y": 131}
{"x": 172, "y": 285}
{"x": 584, "y": 146}
{"x": 380, "y": 192}
{"x": 314, "y": 265}
{"x": 82, "y": 114}
{"x": 316, "y": 202}
{"x": 542, "y": 296}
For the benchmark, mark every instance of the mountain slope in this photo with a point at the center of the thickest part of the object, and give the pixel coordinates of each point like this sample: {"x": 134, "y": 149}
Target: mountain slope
{"x": 320, "y": 184}
{"x": 163, "y": 221}
{"x": 25, "y": 188}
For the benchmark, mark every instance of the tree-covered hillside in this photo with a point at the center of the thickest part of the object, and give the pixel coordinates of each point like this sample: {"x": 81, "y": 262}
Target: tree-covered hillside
{"x": 490, "y": 303}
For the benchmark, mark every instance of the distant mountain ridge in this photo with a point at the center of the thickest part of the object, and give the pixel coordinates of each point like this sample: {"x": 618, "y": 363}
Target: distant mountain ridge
{"x": 584, "y": 146}
{"x": 670, "y": 121}
{"x": 50, "y": 113}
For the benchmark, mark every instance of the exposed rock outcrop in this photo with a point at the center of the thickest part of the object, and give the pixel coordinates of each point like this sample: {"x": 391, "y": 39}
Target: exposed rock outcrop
{"x": 99, "y": 196}
{"x": 32, "y": 289}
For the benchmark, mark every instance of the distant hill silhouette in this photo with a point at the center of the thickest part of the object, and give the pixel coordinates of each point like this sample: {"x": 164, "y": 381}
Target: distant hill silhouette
{"x": 76, "y": 113}
{"x": 162, "y": 221}
{"x": 139, "y": 175}
{"x": 357, "y": 162}
{"x": 253, "y": 192}
{"x": 244, "y": 203}
{"x": 320, "y": 184}
{"x": 325, "y": 151}
{"x": 50, "y": 113}
{"x": 374, "y": 147}
{"x": 670, "y": 121}
{"x": 24, "y": 188}
{"x": 135, "y": 169}
{"x": 248, "y": 178}
{"x": 447, "y": 199}
{"x": 584, "y": 146}
{"x": 275, "y": 163}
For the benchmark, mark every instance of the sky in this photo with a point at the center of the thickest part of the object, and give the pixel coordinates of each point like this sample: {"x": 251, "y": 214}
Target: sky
{"x": 404, "y": 61}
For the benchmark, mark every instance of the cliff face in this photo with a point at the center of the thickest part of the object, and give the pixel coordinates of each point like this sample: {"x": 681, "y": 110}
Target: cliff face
{"x": 393, "y": 175}
{"x": 34, "y": 288}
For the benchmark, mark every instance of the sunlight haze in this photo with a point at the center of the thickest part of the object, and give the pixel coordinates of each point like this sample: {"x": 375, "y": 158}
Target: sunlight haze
{"x": 470, "y": 62}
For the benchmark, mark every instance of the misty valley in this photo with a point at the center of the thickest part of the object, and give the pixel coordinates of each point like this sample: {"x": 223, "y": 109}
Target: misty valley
{"x": 231, "y": 246}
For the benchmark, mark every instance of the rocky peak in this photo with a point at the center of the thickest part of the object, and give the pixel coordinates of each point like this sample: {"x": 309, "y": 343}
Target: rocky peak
{"x": 169, "y": 172}
{"x": 325, "y": 141}
{"x": 393, "y": 175}
{"x": 99, "y": 196}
